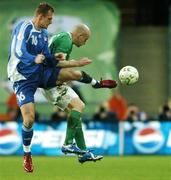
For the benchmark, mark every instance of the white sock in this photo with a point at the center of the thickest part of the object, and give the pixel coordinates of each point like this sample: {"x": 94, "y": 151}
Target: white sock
{"x": 26, "y": 149}
{"x": 93, "y": 82}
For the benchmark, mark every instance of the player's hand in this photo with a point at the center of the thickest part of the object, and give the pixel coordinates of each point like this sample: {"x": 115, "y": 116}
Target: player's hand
{"x": 74, "y": 63}
{"x": 39, "y": 59}
{"x": 84, "y": 61}
{"x": 60, "y": 56}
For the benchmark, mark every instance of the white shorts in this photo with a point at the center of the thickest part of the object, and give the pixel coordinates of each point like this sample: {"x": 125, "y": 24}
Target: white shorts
{"x": 60, "y": 96}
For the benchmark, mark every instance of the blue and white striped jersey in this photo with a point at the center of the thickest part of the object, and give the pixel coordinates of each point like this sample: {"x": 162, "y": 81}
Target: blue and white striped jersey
{"x": 26, "y": 44}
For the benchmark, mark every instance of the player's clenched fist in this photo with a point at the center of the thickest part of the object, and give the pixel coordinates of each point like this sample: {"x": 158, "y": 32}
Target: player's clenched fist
{"x": 39, "y": 59}
{"x": 60, "y": 56}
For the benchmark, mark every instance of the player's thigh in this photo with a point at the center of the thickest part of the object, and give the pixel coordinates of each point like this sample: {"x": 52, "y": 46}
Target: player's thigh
{"x": 76, "y": 104}
{"x": 68, "y": 74}
{"x": 60, "y": 96}
{"x": 25, "y": 91}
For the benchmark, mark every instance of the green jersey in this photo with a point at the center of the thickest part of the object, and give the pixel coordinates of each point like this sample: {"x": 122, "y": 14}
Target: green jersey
{"x": 61, "y": 43}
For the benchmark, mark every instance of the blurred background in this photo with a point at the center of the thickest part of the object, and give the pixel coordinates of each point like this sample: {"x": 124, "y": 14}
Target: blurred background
{"x": 127, "y": 120}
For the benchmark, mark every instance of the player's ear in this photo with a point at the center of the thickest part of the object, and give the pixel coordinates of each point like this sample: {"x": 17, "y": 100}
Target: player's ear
{"x": 79, "y": 37}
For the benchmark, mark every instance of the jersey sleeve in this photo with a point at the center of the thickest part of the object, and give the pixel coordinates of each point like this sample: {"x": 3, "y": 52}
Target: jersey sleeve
{"x": 21, "y": 45}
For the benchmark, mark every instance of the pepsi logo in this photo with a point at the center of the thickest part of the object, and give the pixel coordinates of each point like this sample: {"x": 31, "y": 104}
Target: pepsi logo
{"x": 148, "y": 140}
{"x": 10, "y": 141}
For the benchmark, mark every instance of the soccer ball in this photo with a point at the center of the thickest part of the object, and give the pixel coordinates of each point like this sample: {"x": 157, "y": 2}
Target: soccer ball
{"x": 128, "y": 75}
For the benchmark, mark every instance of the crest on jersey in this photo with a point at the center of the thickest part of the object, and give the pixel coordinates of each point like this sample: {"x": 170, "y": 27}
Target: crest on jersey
{"x": 45, "y": 38}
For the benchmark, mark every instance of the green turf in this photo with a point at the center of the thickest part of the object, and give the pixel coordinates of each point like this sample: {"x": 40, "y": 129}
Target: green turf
{"x": 67, "y": 168}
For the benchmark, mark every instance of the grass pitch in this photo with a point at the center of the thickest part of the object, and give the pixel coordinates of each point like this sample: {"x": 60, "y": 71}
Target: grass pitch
{"x": 68, "y": 168}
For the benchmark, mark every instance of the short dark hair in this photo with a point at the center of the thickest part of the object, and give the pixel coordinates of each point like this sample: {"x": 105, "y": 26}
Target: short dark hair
{"x": 43, "y": 9}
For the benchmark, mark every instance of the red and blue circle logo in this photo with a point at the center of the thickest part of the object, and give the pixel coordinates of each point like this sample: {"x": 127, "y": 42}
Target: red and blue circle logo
{"x": 148, "y": 140}
{"x": 10, "y": 141}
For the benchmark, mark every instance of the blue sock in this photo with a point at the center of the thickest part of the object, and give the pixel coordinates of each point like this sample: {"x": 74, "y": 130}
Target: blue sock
{"x": 27, "y": 135}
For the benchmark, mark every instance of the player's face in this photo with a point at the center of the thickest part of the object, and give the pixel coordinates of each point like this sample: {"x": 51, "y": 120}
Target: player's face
{"x": 45, "y": 21}
{"x": 81, "y": 40}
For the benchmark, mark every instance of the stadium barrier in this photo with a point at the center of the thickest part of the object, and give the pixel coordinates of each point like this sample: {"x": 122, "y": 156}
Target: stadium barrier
{"x": 106, "y": 138}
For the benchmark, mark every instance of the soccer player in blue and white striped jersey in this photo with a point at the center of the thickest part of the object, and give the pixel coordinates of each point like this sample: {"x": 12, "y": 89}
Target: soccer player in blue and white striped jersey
{"x": 31, "y": 66}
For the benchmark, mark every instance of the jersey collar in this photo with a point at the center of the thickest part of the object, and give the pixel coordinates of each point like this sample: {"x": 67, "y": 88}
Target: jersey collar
{"x": 70, "y": 35}
{"x": 34, "y": 27}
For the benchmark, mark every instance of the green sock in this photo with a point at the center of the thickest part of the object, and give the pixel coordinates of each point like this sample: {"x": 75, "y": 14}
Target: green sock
{"x": 74, "y": 130}
{"x": 79, "y": 135}
{"x": 71, "y": 127}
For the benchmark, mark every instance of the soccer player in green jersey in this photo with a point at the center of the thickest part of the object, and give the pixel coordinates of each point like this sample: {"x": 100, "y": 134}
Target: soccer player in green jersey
{"x": 65, "y": 98}
{"x": 62, "y": 43}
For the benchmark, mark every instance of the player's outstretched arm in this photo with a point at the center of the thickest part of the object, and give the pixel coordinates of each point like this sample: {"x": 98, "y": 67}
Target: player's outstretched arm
{"x": 74, "y": 63}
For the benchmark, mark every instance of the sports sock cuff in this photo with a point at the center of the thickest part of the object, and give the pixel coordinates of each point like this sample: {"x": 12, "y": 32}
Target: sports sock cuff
{"x": 26, "y": 149}
{"x": 93, "y": 82}
{"x": 27, "y": 129}
{"x": 75, "y": 114}
{"x": 85, "y": 78}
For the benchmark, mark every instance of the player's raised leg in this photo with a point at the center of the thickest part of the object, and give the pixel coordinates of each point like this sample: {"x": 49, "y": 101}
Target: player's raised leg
{"x": 68, "y": 74}
{"x": 85, "y": 78}
{"x": 28, "y": 113}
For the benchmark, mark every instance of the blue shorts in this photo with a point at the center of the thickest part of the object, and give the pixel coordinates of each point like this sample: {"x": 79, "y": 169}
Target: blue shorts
{"x": 25, "y": 89}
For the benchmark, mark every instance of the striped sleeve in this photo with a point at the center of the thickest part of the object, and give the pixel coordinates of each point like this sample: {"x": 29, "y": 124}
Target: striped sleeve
{"x": 20, "y": 47}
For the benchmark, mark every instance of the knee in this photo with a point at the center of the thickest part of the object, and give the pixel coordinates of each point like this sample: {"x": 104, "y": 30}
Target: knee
{"x": 80, "y": 106}
{"x": 76, "y": 75}
{"x": 28, "y": 119}
{"x": 76, "y": 104}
